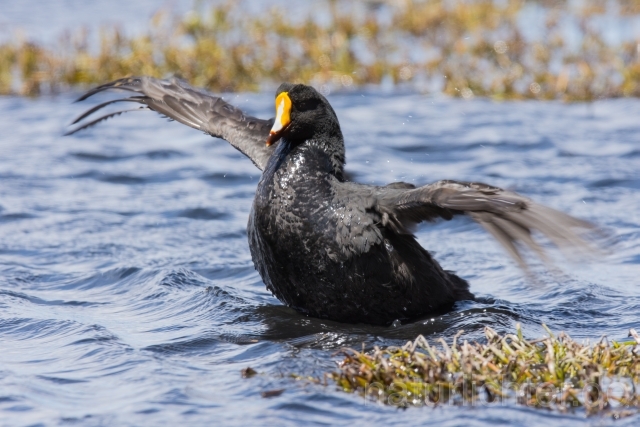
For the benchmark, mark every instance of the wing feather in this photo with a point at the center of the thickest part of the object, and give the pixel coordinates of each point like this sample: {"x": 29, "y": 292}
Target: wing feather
{"x": 193, "y": 107}
{"x": 509, "y": 217}
{"x": 101, "y": 119}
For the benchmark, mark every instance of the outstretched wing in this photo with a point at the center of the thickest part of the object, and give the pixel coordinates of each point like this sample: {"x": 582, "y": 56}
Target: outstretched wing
{"x": 190, "y": 106}
{"x": 508, "y": 216}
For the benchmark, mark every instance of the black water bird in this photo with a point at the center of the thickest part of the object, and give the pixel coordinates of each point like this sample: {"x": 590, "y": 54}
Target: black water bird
{"x": 336, "y": 249}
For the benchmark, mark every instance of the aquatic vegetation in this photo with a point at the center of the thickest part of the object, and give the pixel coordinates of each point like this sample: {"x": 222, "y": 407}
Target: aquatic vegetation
{"x": 552, "y": 372}
{"x": 464, "y": 48}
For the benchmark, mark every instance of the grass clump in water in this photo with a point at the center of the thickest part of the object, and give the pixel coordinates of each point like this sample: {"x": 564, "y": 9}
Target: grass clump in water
{"x": 554, "y": 372}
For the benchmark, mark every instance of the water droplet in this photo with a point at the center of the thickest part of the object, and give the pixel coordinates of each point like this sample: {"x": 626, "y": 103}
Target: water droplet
{"x": 500, "y": 47}
{"x": 535, "y": 88}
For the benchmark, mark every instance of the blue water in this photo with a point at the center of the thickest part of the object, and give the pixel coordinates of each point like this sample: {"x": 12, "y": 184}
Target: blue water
{"x": 128, "y": 295}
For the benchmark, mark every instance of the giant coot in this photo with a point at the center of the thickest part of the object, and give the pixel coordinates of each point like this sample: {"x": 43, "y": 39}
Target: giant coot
{"x": 332, "y": 248}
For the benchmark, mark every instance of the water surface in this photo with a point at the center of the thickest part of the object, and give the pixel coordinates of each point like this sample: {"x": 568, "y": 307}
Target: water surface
{"x": 128, "y": 295}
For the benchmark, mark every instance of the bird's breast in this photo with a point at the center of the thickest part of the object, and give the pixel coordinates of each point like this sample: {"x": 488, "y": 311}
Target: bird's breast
{"x": 292, "y": 208}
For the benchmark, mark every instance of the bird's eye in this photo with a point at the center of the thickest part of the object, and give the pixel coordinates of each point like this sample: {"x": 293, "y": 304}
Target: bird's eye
{"x": 309, "y": 104}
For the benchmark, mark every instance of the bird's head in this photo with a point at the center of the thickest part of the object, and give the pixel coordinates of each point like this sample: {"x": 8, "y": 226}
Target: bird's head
{"x": 302, "y": 113}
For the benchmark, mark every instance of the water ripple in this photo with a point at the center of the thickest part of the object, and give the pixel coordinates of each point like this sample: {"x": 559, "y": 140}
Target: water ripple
{"x": 128, "y": 295}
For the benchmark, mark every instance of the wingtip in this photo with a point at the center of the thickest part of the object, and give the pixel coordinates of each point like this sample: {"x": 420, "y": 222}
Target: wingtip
{"x": 111, "y": 85}
{"x": 71, "y": 132}
{"x": 81, "y": 98}
{"x": 88, "y": 94}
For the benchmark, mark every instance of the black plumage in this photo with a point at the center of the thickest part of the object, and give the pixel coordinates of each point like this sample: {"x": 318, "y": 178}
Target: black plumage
{"x": 336, "y": 249}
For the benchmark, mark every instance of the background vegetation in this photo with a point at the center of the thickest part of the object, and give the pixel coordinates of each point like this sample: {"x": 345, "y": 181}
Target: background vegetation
{"x": 460, "y": 47}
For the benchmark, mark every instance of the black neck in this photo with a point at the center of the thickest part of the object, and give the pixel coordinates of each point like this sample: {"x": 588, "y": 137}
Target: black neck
{"x": 315, "y": 150}
{"x": 277, "y": 158}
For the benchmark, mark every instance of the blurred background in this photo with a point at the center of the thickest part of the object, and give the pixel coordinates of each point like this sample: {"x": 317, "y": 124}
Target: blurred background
{"x": 506, "y": 49}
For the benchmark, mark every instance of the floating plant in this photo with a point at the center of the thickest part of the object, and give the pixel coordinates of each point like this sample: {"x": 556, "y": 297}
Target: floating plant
{"x": 552, "y": 372}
